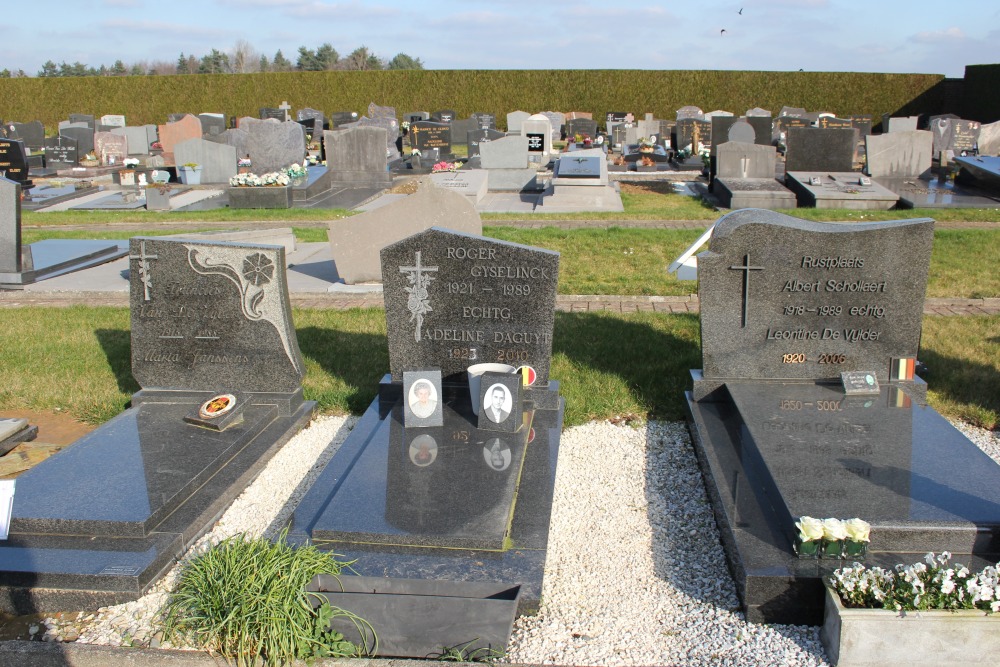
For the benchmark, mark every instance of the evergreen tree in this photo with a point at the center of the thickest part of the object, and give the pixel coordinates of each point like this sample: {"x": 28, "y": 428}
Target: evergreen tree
{"x": 182, "y": 64}
{"x": 265, "y": 65}
{"x": 280, "y": 63}
{"x": 118, "y": 69}
{"x": 403, "y": 61}
{"x": 49, "y": 69}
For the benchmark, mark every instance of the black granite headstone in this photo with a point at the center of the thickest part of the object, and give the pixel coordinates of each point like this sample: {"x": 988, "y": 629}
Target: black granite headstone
{"x": 338, "y": 118}
{"x": 814, "y": 149}
{"x": 211, "y": 317}
{"x": 61, "y": 153}
{"x": 444, "y": 116}
{"x": 783, "y": 298}
{"x": 477, "y": 137}
{"x": 485, "y": 121}
{"x": 32, "y": 134}
{"x": 581, "y": 126}
{"x": 14, "y": 161}
{"x": 427, "y": 134}
{"x": 454, "y": 300}
{"x": 83, "y": 136}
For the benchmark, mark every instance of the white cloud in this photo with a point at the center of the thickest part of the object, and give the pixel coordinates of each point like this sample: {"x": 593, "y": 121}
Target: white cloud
{"x": 938, "y": 36}
{"x": 164, "y": 28}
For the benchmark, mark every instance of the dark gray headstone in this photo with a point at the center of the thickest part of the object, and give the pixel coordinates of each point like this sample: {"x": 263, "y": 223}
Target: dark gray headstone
{"x": 477, "y": 137}
{"x": 83, "y": 118}
{"x": 454, "y": 300}
{"x": 340, "y": 118}
{"x": 813, "y": 149}
{"x": 428, "y": 134}
{"x": 460, "y": 129}
{"x": 236, "y": 137}
{"x": 376, "y": 111}
{"x": 271, "y": 112}
{"x": 863, "y": 124}
{"x": 794, "y": 112}
{"x": 416, "y": 116}
{"x": 136, "y": 139}
{"x": 832, "y": 122}
{"x": 444, "y": 116}
{"x": 357, "y": 155}
{"x": 211, "y": 316}
{"x": 783, "y": 298}
{"x": 581, "y": 126}
{"x": 32, "y": 134}
{"x": 485, "y": 121}
{"x": 386, "y": 122}
{"x": 14, "y": 161}
{"x": 274, "y": 146}
{"x": 690, "y": 112}
{"x": 61, "y": 153}
{"x": 954, "y": 134}
{"x": 212, "y": 123}
{"x": 688, "y": 130}
{"x": 84, "y": 137}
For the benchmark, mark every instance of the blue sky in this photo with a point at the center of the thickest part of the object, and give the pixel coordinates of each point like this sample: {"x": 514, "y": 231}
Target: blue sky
{"x": 928, "y": 36}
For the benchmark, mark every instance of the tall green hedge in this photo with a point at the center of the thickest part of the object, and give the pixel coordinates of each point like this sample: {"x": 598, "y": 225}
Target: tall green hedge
{"x": 148, "y": 99}
{"x": 982, "y": 93}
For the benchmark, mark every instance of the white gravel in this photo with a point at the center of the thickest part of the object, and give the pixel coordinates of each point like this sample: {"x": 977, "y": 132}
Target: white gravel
{"x": 635, "y": 573}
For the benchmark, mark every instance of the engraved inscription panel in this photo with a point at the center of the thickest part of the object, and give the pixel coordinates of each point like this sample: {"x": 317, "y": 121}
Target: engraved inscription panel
{"x": 788, "y": 298}
{"x": 453, "y": 300}
{"x": 207, "y": 316}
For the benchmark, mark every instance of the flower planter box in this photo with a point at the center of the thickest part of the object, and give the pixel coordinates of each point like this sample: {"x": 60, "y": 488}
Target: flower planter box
{"x": 270, "y": 196}
{"x": 189, "y": 175}
{"x": 876, "y": 637}
{"x": 419, "y": 618}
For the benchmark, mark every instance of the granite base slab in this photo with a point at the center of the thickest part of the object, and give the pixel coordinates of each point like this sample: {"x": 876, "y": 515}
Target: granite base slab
{"x": 116, "y": 201}
{"x": 449, "y": 503}
{"x": 39, "y": 197}
{"x": 571, "y": 199}
{"x": 753, "y": 193}
{"x": 261, "y": 197}
{"x": 55, "y": 257}
{"x": 774, "y": 586}
{"x": 103, "y": 519}
{"x": 937, "y": 192}
{"x": 839, "y": 190}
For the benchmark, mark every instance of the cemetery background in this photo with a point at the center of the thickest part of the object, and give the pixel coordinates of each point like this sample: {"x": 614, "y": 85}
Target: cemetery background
{"x": 645, "y": 380}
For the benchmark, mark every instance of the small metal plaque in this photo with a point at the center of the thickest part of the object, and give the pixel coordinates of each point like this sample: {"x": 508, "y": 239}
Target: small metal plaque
{"x": 859, "y": 382}
{"x": 119, "y": 571}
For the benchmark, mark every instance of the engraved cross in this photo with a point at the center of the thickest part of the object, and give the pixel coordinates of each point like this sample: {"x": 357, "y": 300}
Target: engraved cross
{"x": 418, "y": 302}
{"x": 147, "y": 281}
{"x": 746, "y": 268}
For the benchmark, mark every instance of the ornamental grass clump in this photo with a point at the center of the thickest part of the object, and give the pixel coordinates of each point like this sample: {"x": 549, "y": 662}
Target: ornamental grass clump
{"x": 245, "y": 600}
{"x": 932, "y": 584}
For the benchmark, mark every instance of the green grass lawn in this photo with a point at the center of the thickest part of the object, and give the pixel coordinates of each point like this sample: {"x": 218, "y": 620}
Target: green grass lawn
{"x": 630, "y": 261}
{"x": 635, "y": 365}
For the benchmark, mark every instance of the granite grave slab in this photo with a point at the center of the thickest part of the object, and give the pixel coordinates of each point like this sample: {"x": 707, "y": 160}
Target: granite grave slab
{"x": 207, "y": 318}
{"x": 848, "y": 190}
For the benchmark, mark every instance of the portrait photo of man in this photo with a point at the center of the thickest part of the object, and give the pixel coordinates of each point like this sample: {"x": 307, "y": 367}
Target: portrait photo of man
{"x": 497, "y": 403}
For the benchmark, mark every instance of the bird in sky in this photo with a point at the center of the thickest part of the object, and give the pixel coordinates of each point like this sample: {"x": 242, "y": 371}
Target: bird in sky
{"x": 740, "y": 12}
{"x": 722, "y": 32}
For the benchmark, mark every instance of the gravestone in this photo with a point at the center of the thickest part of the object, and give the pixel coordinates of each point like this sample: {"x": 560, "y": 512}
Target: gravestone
{"x": 61, "y": 153}
{"x": 416, "y": 116}
{"x": 356, "y": 241}
{"x": 212, "y": 123}
{"x": 235, "y": 137}
{"x": 989, "y": 139}
{"x": 14, "y": 162}
{"x": 792, "y": 112}
{"x": 863, "y": 124}
{"x": 32, "y": 134}
{"x": 425, "y": 135}
{"x": 514, "y": 120}
{"x": 111, "y": 149}
{"x": 451, "y": 490}
{"x": 557, "y": 120}
{"x": 573, "y": 115}
{"x": 136, "y": 139}
{"x": 690, "y": 132}
{"x": 955, "y": 135}
{"x": 477, "y": 137}
{"x": 171, "y": 134}
{"x": 460, "y": 128}
{"x": 784, "y": 123}
{"x": 902, "y": 124}
{"x": 899, "y": 154}
{"x": 538, "y": 131}
{"x": 355, "y": 157}
{"x": 812, "y": 149}
{"x": 82, "y": 135}
{"x": 208, "y": 321}
{"x": 575, "y": 126}
{"x": 717, "y": 113}
{"x": 376, "y": 111}
{"x": 341, "y": 118}
{"x": 273, "y": 146}
{"x": 87, "y": 119}
{"x": 744, "y": 177}
{"x": 510, "y": 152}
{"x": 277, "y": 114}
{"x": 113, "y": 120}
{"x": 218, "y": 161}
{"x": 485, "y": 121}
{"x": 841, "y": 190}
{"x": 757, "y": 112}
{"x": 386, "y": 120}
{"x": 787, "y": 307}
{"x": 690, "y": 112}
{"x": 832, "y": 122}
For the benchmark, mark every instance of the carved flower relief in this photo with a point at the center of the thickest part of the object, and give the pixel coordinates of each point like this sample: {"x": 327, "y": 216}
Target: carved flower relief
{"x": 258, "y": 269}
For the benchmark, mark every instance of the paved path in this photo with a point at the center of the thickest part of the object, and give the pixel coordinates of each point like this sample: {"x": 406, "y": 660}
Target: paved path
{"x": 566, "y": 303}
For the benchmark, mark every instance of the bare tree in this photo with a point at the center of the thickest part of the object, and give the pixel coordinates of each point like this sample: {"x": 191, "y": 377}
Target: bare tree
{"x": 245, "y": 58}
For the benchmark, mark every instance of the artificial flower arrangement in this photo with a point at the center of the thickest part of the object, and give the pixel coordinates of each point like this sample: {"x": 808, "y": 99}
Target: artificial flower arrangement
{"x": 932, "y": 584}
{"x": 270, "y": 179}
{"x": 832, "y": 538}
{"x": 295, "y": 170}
{"x": 647, "y": 144}
{"x": 445, "y": 166}
{"x": 130, "y": 162}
